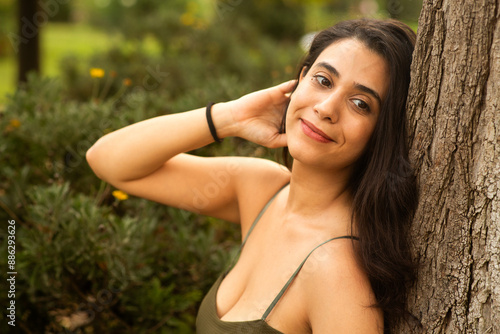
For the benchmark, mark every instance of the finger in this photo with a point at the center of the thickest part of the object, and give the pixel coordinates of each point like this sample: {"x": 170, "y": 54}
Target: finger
{"x": 282, "y": 91}
{"x": 287, "y": 87}
{"x": 278, "y": 141}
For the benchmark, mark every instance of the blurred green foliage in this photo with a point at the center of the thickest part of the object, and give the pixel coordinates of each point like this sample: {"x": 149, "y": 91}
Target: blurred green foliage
{"x": 126, "y": 265}
{"x": 89, "y": 261}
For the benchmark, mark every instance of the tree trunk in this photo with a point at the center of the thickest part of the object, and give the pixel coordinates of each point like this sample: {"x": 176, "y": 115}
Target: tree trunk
{"x": 30, "y": 18}
{"x": 455, "y": 145}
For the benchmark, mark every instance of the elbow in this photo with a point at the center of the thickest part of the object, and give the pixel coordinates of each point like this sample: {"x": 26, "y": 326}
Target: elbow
{"x": 90, "y": 157}
{"x": 94, "y": 160}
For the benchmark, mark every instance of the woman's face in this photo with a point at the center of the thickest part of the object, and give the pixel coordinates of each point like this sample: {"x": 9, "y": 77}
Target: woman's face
{"x": 335, "y": 107}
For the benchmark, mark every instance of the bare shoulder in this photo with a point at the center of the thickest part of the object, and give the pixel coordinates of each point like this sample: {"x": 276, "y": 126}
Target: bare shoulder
{"x": 253, "y": 173}
{"x": 257, "y": 181}
{"x": 255, "y": 176}
{"x": 338, "y": 293}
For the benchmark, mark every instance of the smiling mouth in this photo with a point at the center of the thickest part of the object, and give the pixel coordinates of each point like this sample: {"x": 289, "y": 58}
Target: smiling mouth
{"x": 313, "y": 132}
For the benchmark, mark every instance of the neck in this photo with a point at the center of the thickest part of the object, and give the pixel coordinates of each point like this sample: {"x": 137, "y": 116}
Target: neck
{"x": 315, "y": 192}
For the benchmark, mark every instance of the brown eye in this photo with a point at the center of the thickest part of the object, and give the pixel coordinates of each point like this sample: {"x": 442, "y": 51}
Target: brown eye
{"x": 323, "y": 81}
{"x": 362, "y": 105}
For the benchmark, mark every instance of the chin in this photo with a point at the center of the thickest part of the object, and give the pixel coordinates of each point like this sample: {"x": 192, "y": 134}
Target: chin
{"x": 306, "y": 153}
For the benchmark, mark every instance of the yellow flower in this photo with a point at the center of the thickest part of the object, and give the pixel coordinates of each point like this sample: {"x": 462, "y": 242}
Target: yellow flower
{"x": 127, "y": 82}
{"x": 120, "y": 195}
{"x": 187, "y": 19}
{"x": 96, "y": 72}
{"x": 15, "y": 123}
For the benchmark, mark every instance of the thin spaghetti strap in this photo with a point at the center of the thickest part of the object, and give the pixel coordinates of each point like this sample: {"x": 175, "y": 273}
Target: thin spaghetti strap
{"x": 232, "y": 263}
{"x": 290, "y": 280}
{"x": 260, "y": 215}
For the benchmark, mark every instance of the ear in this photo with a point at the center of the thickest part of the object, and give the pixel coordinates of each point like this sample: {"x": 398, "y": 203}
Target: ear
{"x": 303, "y": 72}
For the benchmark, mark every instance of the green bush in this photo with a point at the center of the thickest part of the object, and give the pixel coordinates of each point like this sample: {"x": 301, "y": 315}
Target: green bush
{"x": 121, "y": 265}
{"x": 175, "y": 20}
{"x": 212, "y": 61}
{"x": 201, "y": 46}
{"x": 129, "y": 272}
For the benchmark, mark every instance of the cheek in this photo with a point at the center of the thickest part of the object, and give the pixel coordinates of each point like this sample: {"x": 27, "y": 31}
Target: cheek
{"x": 361, "y": 132}
{"x": 294, "y": 107}
{"x": 301, "y": 97}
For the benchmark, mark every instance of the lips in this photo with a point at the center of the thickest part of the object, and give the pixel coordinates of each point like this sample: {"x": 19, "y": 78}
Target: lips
{"x": 313, "y": 132}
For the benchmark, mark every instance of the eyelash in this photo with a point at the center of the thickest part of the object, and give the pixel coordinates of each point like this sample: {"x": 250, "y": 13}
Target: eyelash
{"x": 319, "y": 77}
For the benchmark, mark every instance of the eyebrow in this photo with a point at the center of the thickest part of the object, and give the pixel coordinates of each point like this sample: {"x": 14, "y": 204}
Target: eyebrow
{"x": 358, "y": 86}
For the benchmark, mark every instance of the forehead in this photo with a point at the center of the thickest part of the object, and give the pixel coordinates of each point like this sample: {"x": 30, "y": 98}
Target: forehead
{"x": 356, "y": 63}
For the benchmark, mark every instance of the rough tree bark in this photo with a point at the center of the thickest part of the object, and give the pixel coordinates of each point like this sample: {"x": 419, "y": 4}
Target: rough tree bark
{"x": 454, "y": 103}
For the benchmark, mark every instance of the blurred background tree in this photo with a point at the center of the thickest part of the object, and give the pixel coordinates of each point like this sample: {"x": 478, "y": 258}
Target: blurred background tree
{"x": 27, "y": 41}
{"x": 89, "y": 258}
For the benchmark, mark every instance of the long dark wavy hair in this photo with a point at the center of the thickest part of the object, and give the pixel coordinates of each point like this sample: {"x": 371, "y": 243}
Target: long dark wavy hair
{"x": 382, "y": 184}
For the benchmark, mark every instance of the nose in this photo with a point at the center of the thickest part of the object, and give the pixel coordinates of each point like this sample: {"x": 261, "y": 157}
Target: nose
{"x": 328, "y": 108}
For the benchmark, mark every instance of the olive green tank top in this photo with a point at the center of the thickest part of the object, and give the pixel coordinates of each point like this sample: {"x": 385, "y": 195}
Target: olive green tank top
{"x": 208, "y": 321}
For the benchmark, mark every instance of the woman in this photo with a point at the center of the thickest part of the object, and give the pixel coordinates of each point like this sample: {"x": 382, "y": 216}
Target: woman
{"x": 325, "y": 244}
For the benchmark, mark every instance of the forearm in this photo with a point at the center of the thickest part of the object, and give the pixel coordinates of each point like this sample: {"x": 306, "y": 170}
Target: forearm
{"x": 140, "y": 149}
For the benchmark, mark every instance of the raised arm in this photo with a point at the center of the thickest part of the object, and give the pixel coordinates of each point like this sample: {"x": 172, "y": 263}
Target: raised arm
{"x": 145, "y": 159}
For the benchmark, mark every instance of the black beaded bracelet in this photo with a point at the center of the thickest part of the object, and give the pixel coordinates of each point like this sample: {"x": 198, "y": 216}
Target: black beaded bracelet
{"x": 211, "y": 125}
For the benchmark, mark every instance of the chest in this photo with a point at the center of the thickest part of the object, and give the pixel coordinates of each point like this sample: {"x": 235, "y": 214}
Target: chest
{"x": 269, "y": 259}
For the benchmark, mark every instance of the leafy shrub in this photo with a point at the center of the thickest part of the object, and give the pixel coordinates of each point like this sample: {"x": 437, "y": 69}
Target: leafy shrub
{"x": 238, "y": 41}
{"x": 168, "y": 21}
{"x": 133, "y": 272}
{"x": 119, "y": 265}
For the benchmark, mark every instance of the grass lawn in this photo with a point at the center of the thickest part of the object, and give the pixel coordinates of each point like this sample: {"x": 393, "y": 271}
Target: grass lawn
{"x": 59, "y": 40}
